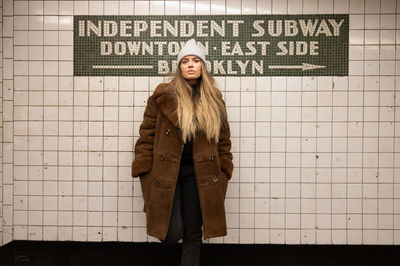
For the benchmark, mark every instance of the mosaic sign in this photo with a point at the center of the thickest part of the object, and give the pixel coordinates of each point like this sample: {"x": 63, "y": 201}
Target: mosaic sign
{"x": 245, "y": 45}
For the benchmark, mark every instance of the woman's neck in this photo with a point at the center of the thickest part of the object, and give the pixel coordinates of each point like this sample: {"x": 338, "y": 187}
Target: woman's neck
{"x": 192, "y": 81}
{"x": 194, "y": 87}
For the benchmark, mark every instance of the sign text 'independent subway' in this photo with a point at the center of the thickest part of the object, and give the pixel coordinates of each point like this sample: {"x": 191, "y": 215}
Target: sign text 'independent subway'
{"x": 247, "y": 45}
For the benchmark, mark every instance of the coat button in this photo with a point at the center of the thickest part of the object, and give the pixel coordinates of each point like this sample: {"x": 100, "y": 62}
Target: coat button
{"x": 215, "y": 179}
{"x": 162, "y": 157}
{"x": 157, "y": 183}
{"x": 167, "y": 131}
{"x": 211, "y": 157}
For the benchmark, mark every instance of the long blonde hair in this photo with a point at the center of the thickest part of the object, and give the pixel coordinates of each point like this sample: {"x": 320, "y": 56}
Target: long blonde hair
{"x": 202, "y": 111}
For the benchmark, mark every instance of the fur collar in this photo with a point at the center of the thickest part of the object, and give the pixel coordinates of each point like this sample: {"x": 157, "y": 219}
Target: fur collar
{"x": 168, "y": 103}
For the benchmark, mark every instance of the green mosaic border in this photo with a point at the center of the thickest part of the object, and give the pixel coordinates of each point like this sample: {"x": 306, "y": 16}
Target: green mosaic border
{"x": 332, "y": 58}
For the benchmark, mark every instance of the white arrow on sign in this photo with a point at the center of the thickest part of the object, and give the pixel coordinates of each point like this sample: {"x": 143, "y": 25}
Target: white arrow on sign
{"x": 303, "y": 67}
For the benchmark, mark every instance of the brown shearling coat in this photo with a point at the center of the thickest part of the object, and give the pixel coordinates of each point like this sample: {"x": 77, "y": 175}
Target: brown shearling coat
{"x": 157, "y": 159}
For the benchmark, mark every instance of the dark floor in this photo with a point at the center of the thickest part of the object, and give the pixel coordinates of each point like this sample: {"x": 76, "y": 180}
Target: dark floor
{"x": 24, "y": 253}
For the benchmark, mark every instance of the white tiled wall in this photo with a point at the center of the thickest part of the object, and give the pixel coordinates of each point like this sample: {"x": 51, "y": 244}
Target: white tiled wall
{"x": 1, "y": 124}
{"x": 317, "y": 158}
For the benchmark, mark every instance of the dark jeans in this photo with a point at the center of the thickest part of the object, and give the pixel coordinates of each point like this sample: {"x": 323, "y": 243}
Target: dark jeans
{"x": 186, "y": 218}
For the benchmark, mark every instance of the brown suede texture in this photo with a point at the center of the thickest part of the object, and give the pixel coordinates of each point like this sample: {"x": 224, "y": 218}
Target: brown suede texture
{"x": 157, "y": 159}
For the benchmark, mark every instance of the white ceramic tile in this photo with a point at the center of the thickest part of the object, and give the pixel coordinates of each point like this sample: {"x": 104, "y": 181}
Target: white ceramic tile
{"x": 202, "y": 7}
{"x": 372, "y": 6}
{"x": 388, "y": 21}
{"x": 295, "y": 7}
{"x": 157, "y": 7}
{"x": 126, "y": 8}
{"x": 50, "y": 23}
{"x": 111, "y": 7}
{"x": 264, "y": 7}
{"x": 387, "y": 36}
{"x": 35, "y": 7}
{"x": 66, "y": 68}
{"x": 139, "y": 219}
{"x": 21, "y": 7}
{"x": 233, "y": 7}
{"x": 372, "y": 21}
{"x": 357, "y": 6}
{"x": 50, "y": 8}
{"x": 310, "y": 6}
{"x": 341, "y": 6}
{"x": 96, "y": 8}
{"x": 36, "y": 38}
{"x": 94, "y": 233}
{"x": 65, "y": 53}
{"x": 35, "y": 22}
{"x": 249, "y": 7}
{"x": 246, "y": 220}
{"x": 50, "y": 68}
{"x": 172, "y": 7}
{"x": 388, "y": 6}
{"x": 279, "y": 7}
{"x": 18, "y": 23}
{"x": 8, "y": 7}
{"x": 66, "y": 7}
{"x": 79, "y": 8}
{"x": 79, "y": 233}
{"x": 50, "y": 38}
{"x": 141, "y": 8}
{"x": 325, "y": 6}
{"x": 187, "y": 7}
{"x": 357, "y": 22}
{"x": 65, "y": 37}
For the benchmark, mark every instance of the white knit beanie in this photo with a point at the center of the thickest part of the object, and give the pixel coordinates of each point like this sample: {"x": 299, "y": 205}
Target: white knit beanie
{"x": 191, "y": 48}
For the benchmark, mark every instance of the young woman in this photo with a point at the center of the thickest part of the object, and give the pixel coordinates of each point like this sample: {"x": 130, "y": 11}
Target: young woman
{"x": 183, "y": 157}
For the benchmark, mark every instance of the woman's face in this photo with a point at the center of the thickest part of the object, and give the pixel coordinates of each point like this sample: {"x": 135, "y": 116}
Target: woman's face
{"x": 191, "y": 68}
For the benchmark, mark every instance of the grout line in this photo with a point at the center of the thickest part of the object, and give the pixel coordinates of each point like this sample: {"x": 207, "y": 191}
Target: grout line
{"x": 301, "y": 150}
{"x": 73, "y": 159}
{"x": 102, "y": 154}
{"x": 58, "y": 137}
{"x": 347, "y": 160}
{"x": 43, "y": 153}
{"x": 316, "y": 153}
{"x": 87, "y": 159}
{"x": 28, "y": 148}
{"x": 378, "y": 138}
{"x": 1, "y": 130}
{"x": 270, "y": 160}
{"x": 286, "y": 154}
{"x": 394, "y": 136}
{"x": 362, "y": 144}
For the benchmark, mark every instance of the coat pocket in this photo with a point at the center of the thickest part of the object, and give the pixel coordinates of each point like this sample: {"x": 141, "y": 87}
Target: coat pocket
{"x": 212, "y": 197}
{"x": 159, "y": 192}
{"x": 219, "y": 181}
{"x": 159, "y": 204}
{"x": 207, "y": 165}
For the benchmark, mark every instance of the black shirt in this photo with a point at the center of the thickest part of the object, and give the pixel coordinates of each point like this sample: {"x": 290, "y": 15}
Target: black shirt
{"x": 187, "y": 152}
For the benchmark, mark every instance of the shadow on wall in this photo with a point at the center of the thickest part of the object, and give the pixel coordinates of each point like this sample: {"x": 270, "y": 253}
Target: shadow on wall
{"x": 36, "y": 253}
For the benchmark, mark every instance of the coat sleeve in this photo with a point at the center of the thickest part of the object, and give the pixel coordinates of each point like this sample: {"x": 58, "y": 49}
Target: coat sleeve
{"x": 224, "y": 149}
{"x": 144, "y": 145}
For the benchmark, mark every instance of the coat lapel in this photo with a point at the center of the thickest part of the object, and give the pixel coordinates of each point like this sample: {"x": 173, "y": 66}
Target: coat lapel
{"x": 167, "y": 103}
